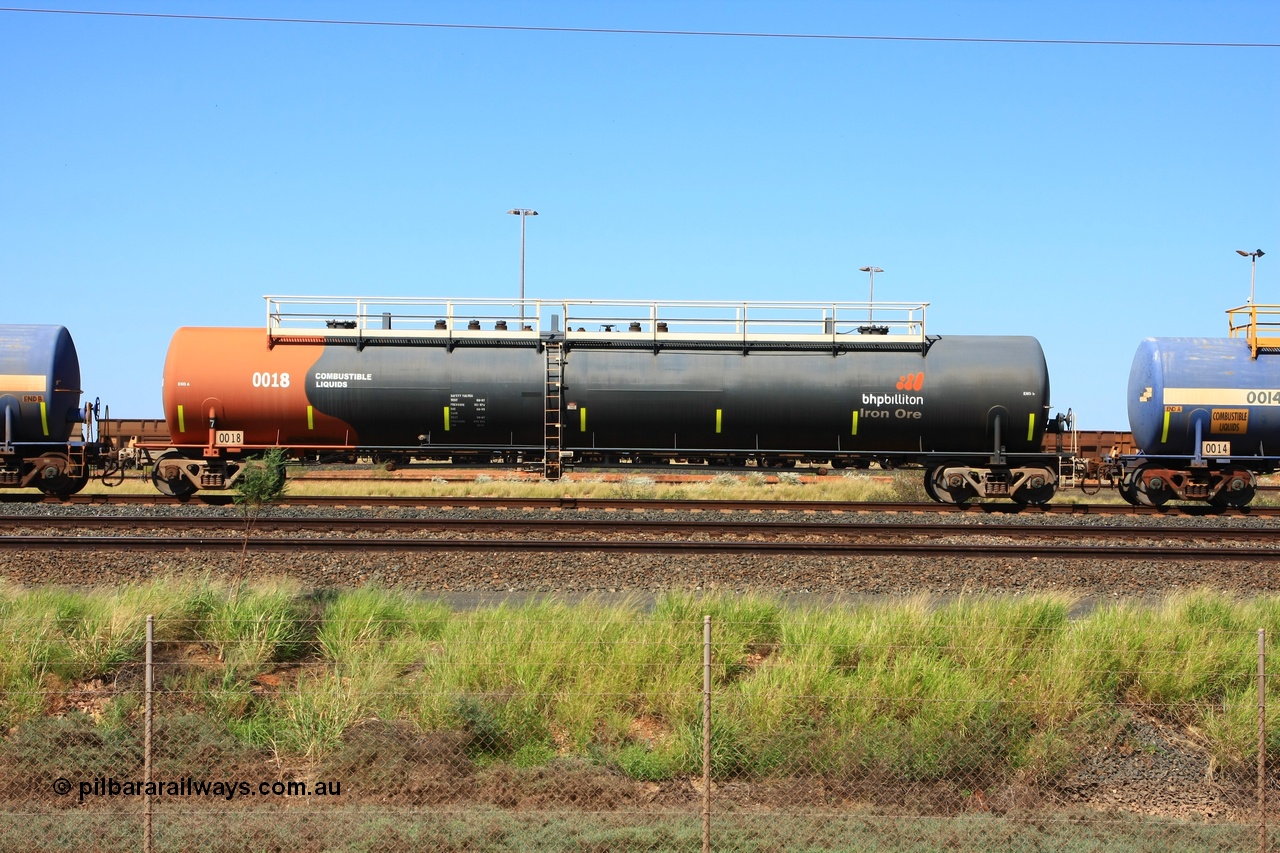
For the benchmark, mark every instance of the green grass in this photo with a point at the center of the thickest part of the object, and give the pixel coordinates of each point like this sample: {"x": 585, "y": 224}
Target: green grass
{"x": 1008, "y": 687}
{"x": 403, "y": 698}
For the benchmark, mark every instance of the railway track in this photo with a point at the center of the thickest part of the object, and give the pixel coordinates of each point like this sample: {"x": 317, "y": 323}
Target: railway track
{"x": 550, "y": 552}
{"x": 755, "y": 529}
{"x": 685, "y": 547}
{"x": 633, "y": 536}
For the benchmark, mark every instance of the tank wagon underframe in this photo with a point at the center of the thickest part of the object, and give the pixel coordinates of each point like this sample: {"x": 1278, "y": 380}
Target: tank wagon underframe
{"x": 733, "y": 384}
{"x": 1156, "y": 480}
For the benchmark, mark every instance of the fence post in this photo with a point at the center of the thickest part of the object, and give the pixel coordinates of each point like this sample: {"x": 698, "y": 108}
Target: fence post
{"x": 146, "y": 742}
{"x": 706, "y": 734}
{"x": 1262, "y": 740}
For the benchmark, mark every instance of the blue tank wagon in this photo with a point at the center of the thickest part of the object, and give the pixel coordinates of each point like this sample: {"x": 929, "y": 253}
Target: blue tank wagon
{"x": 1205, "y": 414}
{"x": 40, "y": 403}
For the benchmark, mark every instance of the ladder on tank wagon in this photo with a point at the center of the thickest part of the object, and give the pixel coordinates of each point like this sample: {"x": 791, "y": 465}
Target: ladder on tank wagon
{"x": 553, "y": 423}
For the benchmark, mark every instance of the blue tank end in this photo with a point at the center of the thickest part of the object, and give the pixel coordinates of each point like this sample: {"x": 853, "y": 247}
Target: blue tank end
{"x": 1177, "y": 384}
{"x": 39, "y": 383}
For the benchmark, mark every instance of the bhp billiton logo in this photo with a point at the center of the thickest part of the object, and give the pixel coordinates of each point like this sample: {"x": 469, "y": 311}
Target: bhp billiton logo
{"x": 911, "y": 383}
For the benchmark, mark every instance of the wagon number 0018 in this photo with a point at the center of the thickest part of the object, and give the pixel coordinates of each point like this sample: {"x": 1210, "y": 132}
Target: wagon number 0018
{"x": 270, "y": 380}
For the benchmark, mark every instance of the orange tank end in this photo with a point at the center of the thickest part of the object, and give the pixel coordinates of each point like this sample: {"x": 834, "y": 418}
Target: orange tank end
{"x": 249, "y": 388}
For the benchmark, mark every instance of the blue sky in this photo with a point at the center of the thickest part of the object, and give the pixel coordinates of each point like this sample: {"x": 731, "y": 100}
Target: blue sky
{"x": 160, "y": 173}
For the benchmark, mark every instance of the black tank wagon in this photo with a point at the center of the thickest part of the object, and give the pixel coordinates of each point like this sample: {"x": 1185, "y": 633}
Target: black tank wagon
{"x": 604, "y": 383}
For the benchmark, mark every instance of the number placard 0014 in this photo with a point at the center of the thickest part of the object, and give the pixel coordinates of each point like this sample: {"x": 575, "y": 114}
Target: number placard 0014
{"x": 1215, "y": 448}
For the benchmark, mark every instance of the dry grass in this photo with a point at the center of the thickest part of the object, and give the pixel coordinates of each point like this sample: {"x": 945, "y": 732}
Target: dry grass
{"x": 797, "y": 485}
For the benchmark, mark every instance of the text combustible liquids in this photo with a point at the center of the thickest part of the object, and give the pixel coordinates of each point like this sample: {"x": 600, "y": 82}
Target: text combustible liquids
{"x": 340, "y": 380}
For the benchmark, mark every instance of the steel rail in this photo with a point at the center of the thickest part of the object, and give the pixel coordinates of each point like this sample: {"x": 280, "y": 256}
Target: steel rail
{"x": 1021, "y": 551}
{"x": 596, "y": 527}
{"x": 634, "y": 547}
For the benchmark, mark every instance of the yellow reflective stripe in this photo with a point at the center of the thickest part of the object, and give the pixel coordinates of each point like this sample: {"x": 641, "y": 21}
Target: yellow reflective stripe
{"x": 311, "y": 419}
{"x": 855, "y": 422}
{"x": 1164, "y": 436}
{"x": 182, "y": 420}
{"x": 44, "y": 417}
{"x": 1031, "y": 426}
{"x": 582, "y": 419}
{"x": 446, "y": 418}
{"x": 719, "y": 419}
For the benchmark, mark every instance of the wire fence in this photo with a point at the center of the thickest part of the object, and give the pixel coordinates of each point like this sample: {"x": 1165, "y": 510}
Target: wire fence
{"x": 240, "y": 734}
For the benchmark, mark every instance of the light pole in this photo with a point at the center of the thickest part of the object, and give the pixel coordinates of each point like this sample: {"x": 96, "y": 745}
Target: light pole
{"x": 871, "y": 304}
{"x": 522, "y": 213}
{"x": 1253, "y": 267}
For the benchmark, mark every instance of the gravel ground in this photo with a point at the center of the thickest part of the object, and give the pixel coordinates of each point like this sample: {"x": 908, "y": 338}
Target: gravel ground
{"x": 1153, "y": 768}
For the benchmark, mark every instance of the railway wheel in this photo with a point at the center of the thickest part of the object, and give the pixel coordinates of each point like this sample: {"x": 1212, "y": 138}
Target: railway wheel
{"x": 55, "y": 478}
{"x": 929, "y": 487}
{"x": 166, "y": 476}
{"x": 950, "y": 485}
{"x": 75, "y": 485}
{"x": 1128, "y": 490}
{"x": 1150, "y": 488}
{"x": 1238, "y": 490}
{"x": 1038, "y": 489}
